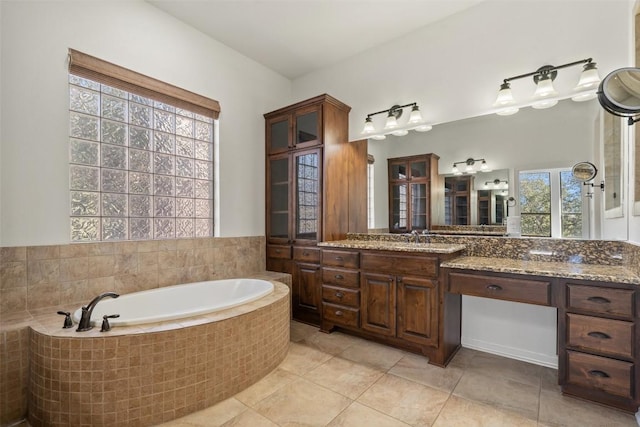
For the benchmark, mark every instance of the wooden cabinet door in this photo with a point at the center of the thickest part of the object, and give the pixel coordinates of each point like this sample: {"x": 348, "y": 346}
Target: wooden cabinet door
{"x": 279, "y": 199}
{"x": 279, "y": 134}
{"x": 378, "y": 303}
{"x": 307, "y": 195}
{"x": 417, "y": 310}
{"x": 307, "y": 126}
{"x": 307, "y": 292}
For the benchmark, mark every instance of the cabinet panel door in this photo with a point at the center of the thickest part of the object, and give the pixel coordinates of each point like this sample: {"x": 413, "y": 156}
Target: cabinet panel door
{"x": 417, "y": 310}
{"x": 307, "y": 292}
{"x": 278, "y": 207}
{"x": 279, "y": 130}
{"x": 419, "y": 207}
{"x": 379, "y": 304}
{"x": 308, "y": 127}
{"x": 307, "y": 201}
{"x": 419, "y": 169}
{"x": 399, "y": 207}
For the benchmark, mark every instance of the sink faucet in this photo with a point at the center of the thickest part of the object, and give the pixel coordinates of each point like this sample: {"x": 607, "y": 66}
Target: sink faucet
{"x": 85, "y": 320}
{"x": 427, "y": 236}
{"x": 416, "y": 236}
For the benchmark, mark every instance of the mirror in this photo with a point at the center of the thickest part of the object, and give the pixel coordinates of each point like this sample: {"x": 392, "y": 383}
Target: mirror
{"x": 613, "y": 128}
{"x": 557, "y": 137}
{"x": 619, "y": 92}
{"x": 584, "y": 171}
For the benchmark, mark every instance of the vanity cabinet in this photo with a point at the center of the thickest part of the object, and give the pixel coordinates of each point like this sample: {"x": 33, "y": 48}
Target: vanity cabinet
{"x": 393, "y": 298}
{"x": 414, "y": 187}
{"x": 599, "y": 342}
{"x": 316, "y": 190}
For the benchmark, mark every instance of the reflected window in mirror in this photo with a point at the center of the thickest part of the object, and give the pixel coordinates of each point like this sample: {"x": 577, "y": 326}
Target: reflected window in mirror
{"x": 552, "y": 204}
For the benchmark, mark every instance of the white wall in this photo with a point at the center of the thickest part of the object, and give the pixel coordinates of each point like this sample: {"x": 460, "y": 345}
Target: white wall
{"x": 35, "y": 38}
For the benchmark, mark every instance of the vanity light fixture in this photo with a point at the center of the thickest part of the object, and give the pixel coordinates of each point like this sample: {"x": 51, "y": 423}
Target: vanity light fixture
{"x": 392, "y": 125}
{"x": 497, "y": 183}
{"x": 469, "y": 166}
{"x": 545, "y": 95}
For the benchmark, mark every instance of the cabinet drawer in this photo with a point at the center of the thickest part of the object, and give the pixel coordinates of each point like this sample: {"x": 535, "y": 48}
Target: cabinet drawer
{"x": 349, "y": 297}
{"x": 279, "y": 251}
{"x": 341, "y": 259}
{"x": 306, "y": 254}
{"x": 341, "y": 315}
{"x": 600, "y": 373}
{"x": 519, "y": 290}
{"x": 413, "y": 265}
{"x": 617, "y": 302}
{"x": 603, "y": 335}
{"x": 336, "y": 276}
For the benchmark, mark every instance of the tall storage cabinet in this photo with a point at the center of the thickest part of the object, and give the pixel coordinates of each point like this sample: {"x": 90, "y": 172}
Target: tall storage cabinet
{"x": 316, "y": 190}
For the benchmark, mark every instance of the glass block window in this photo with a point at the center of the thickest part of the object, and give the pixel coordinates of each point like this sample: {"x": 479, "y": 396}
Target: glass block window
{"x": 139, "y": 169}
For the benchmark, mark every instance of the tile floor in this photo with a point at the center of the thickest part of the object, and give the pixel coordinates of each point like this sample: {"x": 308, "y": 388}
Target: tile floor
{"x": 340, "y": 381}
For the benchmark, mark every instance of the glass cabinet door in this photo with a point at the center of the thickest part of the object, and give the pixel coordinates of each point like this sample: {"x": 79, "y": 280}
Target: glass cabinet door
{"x": 307, "y": 127}
{"x": 279, "y": 198}
{"x": 398, "y": 172}
{"x": 419, "y": 169}
{"x": 278, "y": 134}
{"x": 399, "y": 206}
{"x": 307, "y": 197}
{"x": 419, "y": 206}
{"x": 462, "y": 210}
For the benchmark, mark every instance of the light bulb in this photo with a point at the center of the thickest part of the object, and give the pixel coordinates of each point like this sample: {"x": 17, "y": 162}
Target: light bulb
{"x": 391, "y": 123}
{"x": 455, "y": 170}
{"x": 584, "y": 96}
{"x": 415, "y": 116}
{"x": 483, "y": 166}
{"x": 378, "y": 137}
{"x": 546, "y": 103}
{"x": 423, "y": 128}
{"x": 545, "y": 88}
{"x": 508, "y": 111}
{"x": 400, "y": 132}
{"x": 505, "y": 97}
{"x": 589, "y": 78}
{"x": 368, "y": 127}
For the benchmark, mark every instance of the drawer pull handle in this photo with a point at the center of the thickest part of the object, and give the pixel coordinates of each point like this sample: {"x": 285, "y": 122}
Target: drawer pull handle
{"x": 599, "y": 300}
{"x": 598, "y": 373}
{"x": 339, "y": 313}
{"x": 339, "y": 295}
{"x": 338, "y": 258}
{"x": 278, "y": 251}
{"x": 494, "y": 287}
{"x": 600, "y": 335}
{"x": 339, "y": 276}
{"x": 305, "y": 253}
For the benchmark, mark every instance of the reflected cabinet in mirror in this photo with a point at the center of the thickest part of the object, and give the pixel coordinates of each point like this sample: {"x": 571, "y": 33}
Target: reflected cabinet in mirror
{"x": 613, "y": 131}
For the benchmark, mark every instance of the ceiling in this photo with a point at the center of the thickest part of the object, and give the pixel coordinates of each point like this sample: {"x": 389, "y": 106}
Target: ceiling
{"x": 297, "y": 37}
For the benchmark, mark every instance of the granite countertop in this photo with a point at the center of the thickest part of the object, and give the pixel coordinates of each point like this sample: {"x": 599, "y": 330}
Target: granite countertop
{"x": 605, "y": 273}
{"x": 468, "y": 232}
{"x": 433, "y": 248}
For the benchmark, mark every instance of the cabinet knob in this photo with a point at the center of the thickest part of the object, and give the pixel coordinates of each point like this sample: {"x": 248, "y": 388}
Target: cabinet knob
{"x": 599, "y": 300}
{"x": 494, "y": 287}
{"x": 339, "y": 313}
{"x": 599, "y": 335}
{"x": 598, "y": 373}
{"x": 339, "y": 277}
{"x": 339, "y": 295}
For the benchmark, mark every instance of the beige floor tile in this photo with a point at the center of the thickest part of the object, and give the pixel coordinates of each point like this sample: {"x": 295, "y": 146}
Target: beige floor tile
{"x": 549, "y": 380}
{"x": 463, "y": 357}
{"x": 516, "y": 370}
{"x": 500, "y": 392}
{"x": 302, "y": 403}
{"x": 359, "y": 415}
{"x": 405, "y": 400}
{"x": 344, "y": 376}
{"x": 416, "y": 368}
{"x": 333, "y": 343}
{"x": 215, "y": 415}
{"x": 458, "y": 412}
{"x": 372, "y": 354}
{"x": 301, "y": 359}
{"x": 273, "y": 382}
{"x": 300, "y": 331}
{"x": 563, "y": 411}
{"x": 249, "y": 418}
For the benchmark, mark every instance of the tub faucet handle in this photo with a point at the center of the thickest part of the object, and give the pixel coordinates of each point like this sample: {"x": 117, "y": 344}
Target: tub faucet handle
{"x": 106, "y": 327}
{"x": 68, "y": 323}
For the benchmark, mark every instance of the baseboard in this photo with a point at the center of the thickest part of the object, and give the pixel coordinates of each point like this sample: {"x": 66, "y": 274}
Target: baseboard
{"x": 550, "y": 361}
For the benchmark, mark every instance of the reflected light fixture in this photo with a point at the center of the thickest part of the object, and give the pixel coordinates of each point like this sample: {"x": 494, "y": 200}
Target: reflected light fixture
{"x": 496, "y": 183}
{"x": 545, "y": 95}
{"x": 392, "y": 125}
{"x": 469, "y": 166}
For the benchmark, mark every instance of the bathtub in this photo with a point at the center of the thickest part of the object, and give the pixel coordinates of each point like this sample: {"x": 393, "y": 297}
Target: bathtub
{"x": 151, "y": 373}
{"x": 176, "y": 302}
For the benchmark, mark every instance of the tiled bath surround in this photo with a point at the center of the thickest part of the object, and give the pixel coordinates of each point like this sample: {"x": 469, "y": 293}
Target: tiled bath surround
{"x": 39, "y": 280}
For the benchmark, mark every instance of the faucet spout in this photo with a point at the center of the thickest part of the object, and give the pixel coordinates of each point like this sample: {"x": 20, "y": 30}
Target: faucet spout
{"x": 85, "y": 320}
